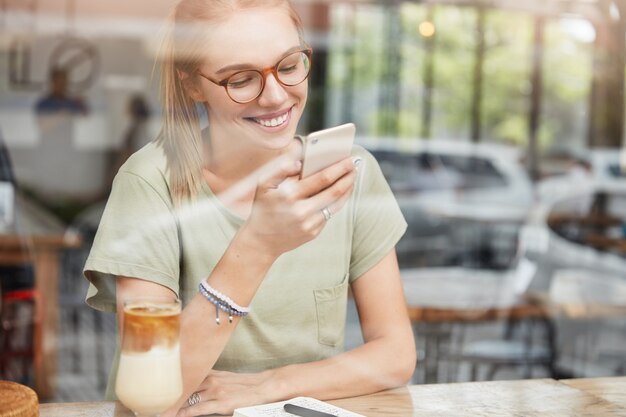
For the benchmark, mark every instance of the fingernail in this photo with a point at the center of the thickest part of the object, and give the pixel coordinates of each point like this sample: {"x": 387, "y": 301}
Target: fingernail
{"x": 356, "y": 161}
{"x": 298, "y": 164}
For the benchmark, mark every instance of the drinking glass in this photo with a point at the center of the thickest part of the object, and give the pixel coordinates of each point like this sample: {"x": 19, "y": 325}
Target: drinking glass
{"x": 149, "y": 378}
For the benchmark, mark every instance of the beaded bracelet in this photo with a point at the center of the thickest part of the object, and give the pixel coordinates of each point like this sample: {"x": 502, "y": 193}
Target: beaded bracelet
{"x": 223, "y": 297}
{"x": 221, "y": 305}
{"x": 222, "y": 302}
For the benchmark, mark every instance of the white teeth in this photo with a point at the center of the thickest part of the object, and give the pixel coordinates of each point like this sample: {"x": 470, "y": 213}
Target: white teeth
{"x": 273, "y": 122}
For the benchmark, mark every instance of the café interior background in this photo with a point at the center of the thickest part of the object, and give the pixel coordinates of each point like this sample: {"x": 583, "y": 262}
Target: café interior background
{"x": 499, "y": 125}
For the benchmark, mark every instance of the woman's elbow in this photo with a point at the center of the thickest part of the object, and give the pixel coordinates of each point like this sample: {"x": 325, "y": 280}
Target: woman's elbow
{"x": 401, "y": 365}
{"x": 407, "y": 366}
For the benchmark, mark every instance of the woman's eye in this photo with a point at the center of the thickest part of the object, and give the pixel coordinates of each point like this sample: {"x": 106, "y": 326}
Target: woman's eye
{"x": 289, "y": 68}
{"x": 240, "y": 82}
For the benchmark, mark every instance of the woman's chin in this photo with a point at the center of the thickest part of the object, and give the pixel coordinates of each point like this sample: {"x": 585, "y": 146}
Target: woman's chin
{"x": 275, "y": 139}
{"x": 279, "y": 142}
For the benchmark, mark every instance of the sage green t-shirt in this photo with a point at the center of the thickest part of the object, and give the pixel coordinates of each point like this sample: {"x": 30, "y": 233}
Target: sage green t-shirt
{"x": 298, "y": 312}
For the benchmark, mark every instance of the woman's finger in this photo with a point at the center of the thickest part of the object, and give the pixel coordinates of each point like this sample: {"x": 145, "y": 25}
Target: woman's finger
{"x": 206, "y": 404}
{"x": 207, "y": 408}
{"x": 323, "y": 206}
{"x": 325, "y": 178}
{"x": 336, "y": 195}
{"x": 278, "y": 171}
{"x": 330, "y": 210}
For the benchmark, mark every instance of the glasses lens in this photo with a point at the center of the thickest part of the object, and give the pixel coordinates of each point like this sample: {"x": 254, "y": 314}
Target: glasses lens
{"x": 293, "y": 69}
{"x": 244, "y": 86}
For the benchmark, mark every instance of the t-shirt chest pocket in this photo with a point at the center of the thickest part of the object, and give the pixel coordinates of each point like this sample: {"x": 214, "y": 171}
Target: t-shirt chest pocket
{"x": 331, "y": 305}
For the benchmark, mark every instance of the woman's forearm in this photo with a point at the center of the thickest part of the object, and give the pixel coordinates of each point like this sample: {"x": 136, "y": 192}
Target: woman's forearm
{"x": 377, "y": 365}
{"x": 202, "y": 339}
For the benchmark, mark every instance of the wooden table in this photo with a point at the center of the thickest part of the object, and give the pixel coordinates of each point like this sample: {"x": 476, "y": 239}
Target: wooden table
{"x": 535, "y": 397}
{"x": 465, "y": 294}
{"x": 611, "y": 389}
{"x": 438, "y": 298}
{"x": 39, "y": 238}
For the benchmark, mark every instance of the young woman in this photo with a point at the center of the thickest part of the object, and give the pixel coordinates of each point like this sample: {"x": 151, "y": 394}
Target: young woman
{"x": 225, "y": 206}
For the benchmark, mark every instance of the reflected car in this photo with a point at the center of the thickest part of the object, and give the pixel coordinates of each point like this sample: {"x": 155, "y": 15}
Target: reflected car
{"x": 464, "y": 202}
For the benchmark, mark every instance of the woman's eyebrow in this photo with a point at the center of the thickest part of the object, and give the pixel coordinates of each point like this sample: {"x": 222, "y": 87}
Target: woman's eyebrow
{"x": 239, "y": 67}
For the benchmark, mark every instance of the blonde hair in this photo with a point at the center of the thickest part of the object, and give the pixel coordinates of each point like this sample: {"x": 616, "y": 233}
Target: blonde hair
{"x": 181, "y": 54}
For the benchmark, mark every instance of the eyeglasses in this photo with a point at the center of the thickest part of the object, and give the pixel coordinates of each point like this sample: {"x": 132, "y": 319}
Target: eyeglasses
{"x": 244, "y": 86}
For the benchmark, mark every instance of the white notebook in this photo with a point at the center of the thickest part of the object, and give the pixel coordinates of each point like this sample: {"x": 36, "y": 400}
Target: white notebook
{"x": 276, "y": 409}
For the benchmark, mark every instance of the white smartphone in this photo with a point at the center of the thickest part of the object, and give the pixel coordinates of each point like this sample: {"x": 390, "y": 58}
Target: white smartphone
{"x": 326, "y": 147}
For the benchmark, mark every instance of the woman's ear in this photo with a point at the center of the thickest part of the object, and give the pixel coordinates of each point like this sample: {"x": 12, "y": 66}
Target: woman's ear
{"x": 191, "y": 86}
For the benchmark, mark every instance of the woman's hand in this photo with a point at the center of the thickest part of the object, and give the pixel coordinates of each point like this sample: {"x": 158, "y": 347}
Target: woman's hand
{"x": 221, "y": 392}
{"x": 287, "y": 211}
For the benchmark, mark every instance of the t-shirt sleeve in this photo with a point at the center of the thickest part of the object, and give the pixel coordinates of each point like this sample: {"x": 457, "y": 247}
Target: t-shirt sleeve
{"x": 137, "y": 237}
{"x": 378, "y": 222}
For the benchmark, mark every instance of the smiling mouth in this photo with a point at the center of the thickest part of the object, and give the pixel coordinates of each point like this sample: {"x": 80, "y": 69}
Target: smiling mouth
{"x": 272, "y": 122}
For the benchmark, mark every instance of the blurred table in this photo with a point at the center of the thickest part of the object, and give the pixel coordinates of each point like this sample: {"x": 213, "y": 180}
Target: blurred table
{"x": 536, "y": 397}
{"x": 437, "y": 297}
{"x": 38, "y": 238}
{"x": 587, "y": 220}
{"x": 606, "y": 243}
{"x": 592, "y": 230}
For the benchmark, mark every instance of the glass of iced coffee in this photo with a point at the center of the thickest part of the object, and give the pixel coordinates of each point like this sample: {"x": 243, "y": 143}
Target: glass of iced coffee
{"x": 149, "y": 376}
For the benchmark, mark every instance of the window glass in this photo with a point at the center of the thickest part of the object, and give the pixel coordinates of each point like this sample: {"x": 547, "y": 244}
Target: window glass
{"x": 567, "y": 82}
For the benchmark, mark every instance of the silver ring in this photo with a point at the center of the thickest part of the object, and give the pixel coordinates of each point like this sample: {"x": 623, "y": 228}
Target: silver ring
{"x": 194, "y": 399}
{"x": 326, "y": 213}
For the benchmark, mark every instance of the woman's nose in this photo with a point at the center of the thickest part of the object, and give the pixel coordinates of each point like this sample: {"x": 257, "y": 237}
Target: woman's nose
{"x": 273, "y": 92}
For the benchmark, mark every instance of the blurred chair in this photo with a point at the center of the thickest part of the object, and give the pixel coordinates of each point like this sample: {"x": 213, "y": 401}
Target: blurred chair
{"x": 19, "y": 308}
{"x": 528, "y": 339}
{"x": 591, "y": 307}
{"x": 527, "y": 344}
{"x": 19, "y": 316}
{"x": 450, "y": 306}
